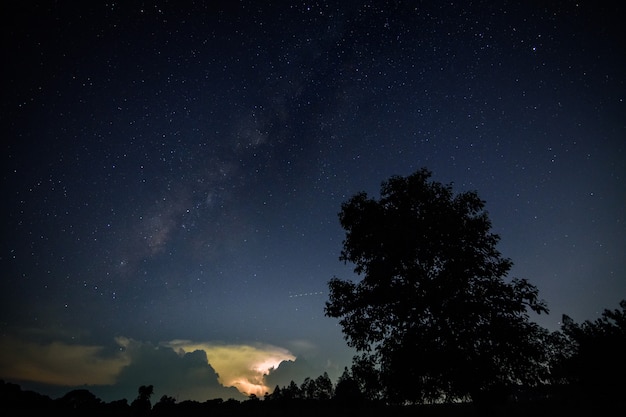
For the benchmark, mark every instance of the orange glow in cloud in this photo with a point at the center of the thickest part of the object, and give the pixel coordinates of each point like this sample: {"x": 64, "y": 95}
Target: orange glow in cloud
{"x": 58, "y": 363}
{"x": 239, "y": 366}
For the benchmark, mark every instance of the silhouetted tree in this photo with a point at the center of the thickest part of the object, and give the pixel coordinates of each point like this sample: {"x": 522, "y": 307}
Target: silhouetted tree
{"x": 367, "y": 377}
{"x": 277, "y": 394}
{"x": 593, "y": 354}
{"x": 291, "y": 392}
{"x": 308, "y": 389}
{"x": 145, "y": 392}
{"x": 347, "y": 390}
{"x": 118, "y": 407}
{"x": 323, "y": 387}
{"x": 433, "y": 314}
{"x": 141, "y": 405}
{"x": 230, "y": 403}
{"x": 164, "y": 405}
{"x": 80, "y": 399}
{"x": 13, "y": 398}
{"x": 560, "y": 349}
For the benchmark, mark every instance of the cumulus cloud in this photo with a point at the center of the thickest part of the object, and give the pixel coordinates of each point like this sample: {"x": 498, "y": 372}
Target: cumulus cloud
{"x": 291, "y": 370}
{"x": 183, "y": 375}
{"x": 241, "y": 366}
{"x": 185, "y": 370}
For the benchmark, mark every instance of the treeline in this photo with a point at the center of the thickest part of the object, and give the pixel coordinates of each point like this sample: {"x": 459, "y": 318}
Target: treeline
{"x": 584, "y": 373}
{"x": 304, "y": 400}
{"x": 312, "y": 397}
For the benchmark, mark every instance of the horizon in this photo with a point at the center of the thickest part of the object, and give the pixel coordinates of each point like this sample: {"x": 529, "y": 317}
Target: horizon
{"x": 173, "y": 174}
{"x": 236, "y": 390}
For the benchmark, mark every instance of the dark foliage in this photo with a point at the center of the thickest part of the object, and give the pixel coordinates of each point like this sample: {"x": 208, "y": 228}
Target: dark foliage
{"x": 348, "y": 390}
{"x": 22, "y": 402}
{"x": 348, "y": 399}
{"x": 141, "y": 406}
{"x": 79, "y": 399}
{"x": 591, "y": 357}
{"x": 433, "y": 316}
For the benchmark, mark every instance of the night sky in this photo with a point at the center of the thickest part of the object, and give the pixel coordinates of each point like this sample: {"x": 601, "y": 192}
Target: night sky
{"x": 172, "y": 173}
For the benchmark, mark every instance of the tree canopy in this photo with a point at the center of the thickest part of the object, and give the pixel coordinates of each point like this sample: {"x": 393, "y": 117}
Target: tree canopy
{"x": 592, "y": 355}
{"x": 432, "y": 311}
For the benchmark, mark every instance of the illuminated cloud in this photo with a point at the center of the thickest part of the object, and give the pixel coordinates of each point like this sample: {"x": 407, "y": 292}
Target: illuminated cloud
{"x": 241, "y": 366}
{"x": 296, "y": 370}
{"x": 183, "y": 369}
{"x": 59, "y": 363}
{"x": 185, "y": 376}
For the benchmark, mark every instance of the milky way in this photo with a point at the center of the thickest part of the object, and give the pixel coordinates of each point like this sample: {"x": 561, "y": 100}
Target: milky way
{"x": 174, "y": 173}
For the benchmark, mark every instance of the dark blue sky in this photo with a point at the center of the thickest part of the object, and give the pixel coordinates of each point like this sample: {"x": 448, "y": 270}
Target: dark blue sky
{"x": 172, "y": 172}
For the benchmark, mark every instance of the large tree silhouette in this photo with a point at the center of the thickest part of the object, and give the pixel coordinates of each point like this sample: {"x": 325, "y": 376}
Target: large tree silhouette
{"x": 433, "y": 313}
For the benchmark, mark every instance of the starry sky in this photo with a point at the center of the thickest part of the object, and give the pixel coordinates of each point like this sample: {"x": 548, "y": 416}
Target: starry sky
{"x": 172, "y": 172}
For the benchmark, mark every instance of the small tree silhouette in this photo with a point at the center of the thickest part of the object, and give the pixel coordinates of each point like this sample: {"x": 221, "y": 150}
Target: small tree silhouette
{"x": 166, "y": 403}
{"x": 347, "y": 390}
{"x": 291, "y": 392}
{"x": 309, "y": 389}
{"x": 141, "y": 406}
{"x": 324, "y": 389}
{"x": 80, "y": 399}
